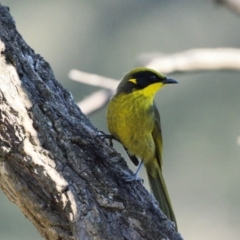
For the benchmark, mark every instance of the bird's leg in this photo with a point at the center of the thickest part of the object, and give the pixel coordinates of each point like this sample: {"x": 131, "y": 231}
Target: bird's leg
{"x": 104, "y": 136}
{"x": 134, "y": 177}
{"x": 133, "y": 158}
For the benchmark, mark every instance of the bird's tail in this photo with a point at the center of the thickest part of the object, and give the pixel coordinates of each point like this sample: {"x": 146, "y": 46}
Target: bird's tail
{"x": 160, "y": 192}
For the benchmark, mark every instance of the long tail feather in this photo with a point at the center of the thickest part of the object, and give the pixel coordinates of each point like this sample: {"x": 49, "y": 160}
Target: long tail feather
{"x": 160, "y": 192}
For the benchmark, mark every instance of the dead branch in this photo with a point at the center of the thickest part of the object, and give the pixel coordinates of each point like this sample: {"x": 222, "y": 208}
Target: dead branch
{"x": 191, "y": 60}
{"x": 196, "y": 60}
{"x": 69, "y": 183}
{"x": 95, "y": 101}
{"x": 233, "y": 5}
{"x": 93, "y": 79}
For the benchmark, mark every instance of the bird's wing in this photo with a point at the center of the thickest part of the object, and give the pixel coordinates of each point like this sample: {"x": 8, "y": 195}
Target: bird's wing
{"x": 157, "y": 183}
{"x": 157, "y": 135}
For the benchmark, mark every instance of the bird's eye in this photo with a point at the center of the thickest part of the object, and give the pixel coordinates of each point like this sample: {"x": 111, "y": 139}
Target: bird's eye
{"x": 153, "y": 78}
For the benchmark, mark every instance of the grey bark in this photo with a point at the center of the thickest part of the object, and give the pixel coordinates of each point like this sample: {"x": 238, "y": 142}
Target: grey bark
{"x": 67, "y": 182}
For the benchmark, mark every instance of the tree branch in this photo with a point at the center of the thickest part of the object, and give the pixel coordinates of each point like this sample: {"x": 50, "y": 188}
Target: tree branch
{"x": 233, "y": 5}
{"x": 93, "y": 79}
{"x": 95, "y": 101}
{"x": 194, "y": 60}
{"x": 191, "y": 60}
{"x": 69, "y": 183}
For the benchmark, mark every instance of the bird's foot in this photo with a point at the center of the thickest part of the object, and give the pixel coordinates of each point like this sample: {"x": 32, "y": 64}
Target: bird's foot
{"x": 132, "y": 178}
{"x": 104, "y": 136}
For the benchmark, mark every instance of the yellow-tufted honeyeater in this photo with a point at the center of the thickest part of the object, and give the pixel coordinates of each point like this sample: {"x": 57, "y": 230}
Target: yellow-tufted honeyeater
{"x": 133, "y": 119}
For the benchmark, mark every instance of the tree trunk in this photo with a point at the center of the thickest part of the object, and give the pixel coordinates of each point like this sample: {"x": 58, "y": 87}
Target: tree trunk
{"x": 67, "y": 182}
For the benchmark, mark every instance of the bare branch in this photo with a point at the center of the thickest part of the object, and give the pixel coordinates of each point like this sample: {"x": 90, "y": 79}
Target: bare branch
{"x": 95, "y": 101}
{"x": 93, "y": 79}
{"x": 196, "y": 60}
{"x": 191, "y": 60}
{"x": 98, "y": 99}
{"x": 233, "y": 5}
{"x": 69, "y": 183}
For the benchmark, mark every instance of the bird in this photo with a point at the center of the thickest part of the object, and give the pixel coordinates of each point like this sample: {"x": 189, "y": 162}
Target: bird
{"x": 133, "y": 119}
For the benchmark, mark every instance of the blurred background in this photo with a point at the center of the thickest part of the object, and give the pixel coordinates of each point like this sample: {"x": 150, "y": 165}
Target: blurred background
{"x": 200, "y": 116}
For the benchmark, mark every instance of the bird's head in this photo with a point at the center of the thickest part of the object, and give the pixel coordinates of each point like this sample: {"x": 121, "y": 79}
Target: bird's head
{"x": 145, "y": 80}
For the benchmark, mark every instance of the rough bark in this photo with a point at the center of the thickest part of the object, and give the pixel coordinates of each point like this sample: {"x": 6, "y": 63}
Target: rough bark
{"x": 67, "y": 182}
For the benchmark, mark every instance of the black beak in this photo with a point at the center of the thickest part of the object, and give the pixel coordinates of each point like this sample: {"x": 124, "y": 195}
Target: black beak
{"x": 169, "y": 81}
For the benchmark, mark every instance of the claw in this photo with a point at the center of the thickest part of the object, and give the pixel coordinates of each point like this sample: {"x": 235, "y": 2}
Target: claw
{"x": 133, "y": 178}
{"x": 104, "y": 136}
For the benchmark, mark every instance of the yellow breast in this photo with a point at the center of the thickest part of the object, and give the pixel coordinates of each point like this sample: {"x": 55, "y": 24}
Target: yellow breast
{"x": 130, "y": 120}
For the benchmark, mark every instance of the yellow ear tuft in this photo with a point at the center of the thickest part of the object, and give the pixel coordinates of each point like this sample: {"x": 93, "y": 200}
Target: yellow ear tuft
{"x": 133, "y": 80}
